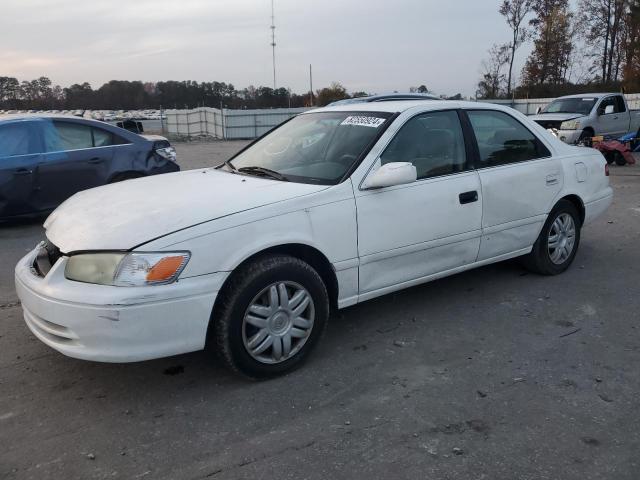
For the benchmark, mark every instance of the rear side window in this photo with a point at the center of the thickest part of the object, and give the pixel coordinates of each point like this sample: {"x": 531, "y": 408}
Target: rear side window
{"x": 503, "y": 140}
{"x": 102, "y": 138}
{"x": 61, "y": 136}
{"x": 69, "y": 136}
{"x": 19, "y": 139}
{"x": 621, "y": 107}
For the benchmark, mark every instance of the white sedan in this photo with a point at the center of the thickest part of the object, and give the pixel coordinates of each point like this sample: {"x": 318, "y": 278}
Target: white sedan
{"x": 334, "y": 207}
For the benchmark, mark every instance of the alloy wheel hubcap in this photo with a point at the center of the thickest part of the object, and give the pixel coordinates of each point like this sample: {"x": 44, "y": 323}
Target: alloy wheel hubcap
{"x": 278, "y": 322}
{"x": 562, "y": 238}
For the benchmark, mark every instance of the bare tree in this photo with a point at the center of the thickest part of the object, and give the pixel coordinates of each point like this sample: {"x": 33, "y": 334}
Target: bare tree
{"x": 491, "y": 84}
{"x": 515, "y": 12}
{"x": 602, "y": 23}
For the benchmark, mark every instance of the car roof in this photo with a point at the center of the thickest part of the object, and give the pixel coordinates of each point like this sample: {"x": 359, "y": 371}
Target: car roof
{"x": 587, "y": 95}
{"x": 402, "y": 105}
{"x": 42, "y": 116}
{"x": 385, "y": 97}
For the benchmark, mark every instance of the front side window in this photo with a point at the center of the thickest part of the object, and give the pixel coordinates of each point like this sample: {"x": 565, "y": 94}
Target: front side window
{"x": 608, "y": 102}
{"x": 503, "y": 140}
{"x": 18, "y": 139}
{"x": 314, "y": 147}
{"x": 433, "y": 142}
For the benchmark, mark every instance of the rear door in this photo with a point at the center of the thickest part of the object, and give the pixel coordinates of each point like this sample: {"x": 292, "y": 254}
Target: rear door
{"x": 520, "y": 180}
{"x": 78, "y": 157}
{"x": 20, "y": 153}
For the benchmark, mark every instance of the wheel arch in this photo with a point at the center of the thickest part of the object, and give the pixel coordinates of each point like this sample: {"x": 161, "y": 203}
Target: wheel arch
{"x": 577, "y": 202}
{"x": 304, "y": 252}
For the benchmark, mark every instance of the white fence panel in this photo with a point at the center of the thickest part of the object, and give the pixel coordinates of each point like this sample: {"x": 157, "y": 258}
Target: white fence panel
{"x": 240, "y": 124}
{"x": 227, "y": 124}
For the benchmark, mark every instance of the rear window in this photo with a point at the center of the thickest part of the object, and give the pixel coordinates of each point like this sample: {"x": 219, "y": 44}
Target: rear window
{"x": 18, "y": 139}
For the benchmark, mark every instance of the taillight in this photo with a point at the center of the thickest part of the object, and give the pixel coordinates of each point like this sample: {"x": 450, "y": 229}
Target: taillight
{"x": 606, "y": 169}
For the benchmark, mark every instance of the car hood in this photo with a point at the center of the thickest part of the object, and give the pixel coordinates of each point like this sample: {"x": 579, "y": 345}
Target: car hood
{"x": 124, "y": 215}
{"x": 555, "y": 117}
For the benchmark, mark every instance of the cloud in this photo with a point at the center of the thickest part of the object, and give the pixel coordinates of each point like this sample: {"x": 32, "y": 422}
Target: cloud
{"x": 375, "y": 45}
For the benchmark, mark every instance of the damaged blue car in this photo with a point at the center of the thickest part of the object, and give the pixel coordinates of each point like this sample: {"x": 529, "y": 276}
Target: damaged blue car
{"x": 46, "y": 159}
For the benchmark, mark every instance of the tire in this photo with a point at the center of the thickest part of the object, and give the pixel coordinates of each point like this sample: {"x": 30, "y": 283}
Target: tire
{"x": 619, "y": 159}
{"x": 609, "y": 157}
{"x": 247, "y": 317}
{"x": 121, "y": 177}
{"x": 546, "y": 260}
{"x": 586, "y": 134}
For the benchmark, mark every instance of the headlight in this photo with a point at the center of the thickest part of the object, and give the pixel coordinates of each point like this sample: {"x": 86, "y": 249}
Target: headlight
{"x": 167, "y": 152}
{"x": 126, "y": 269}
{"x": 570, "y": 125}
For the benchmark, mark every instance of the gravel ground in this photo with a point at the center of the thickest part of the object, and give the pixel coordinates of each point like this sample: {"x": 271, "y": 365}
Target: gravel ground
{"x": 490, "y": 374}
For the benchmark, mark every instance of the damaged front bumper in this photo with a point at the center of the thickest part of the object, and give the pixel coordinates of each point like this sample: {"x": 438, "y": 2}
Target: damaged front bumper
{"x": 115, "y": 324}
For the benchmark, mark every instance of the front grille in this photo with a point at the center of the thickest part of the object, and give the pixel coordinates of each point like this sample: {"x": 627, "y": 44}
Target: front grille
{"x": 549, "y": 124}
{"x": 48, "y": 255}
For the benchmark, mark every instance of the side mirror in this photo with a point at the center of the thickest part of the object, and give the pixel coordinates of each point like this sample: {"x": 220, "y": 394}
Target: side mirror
{"x": 538, "y": 110}
{"x": 608, "y": 109}
{"x": 390, "y": 174}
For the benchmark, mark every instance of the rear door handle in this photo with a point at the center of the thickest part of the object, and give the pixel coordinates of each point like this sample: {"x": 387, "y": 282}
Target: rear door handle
{"x": 96, "y": 160}
{"x": 22, "y": 171}
{"x": 552, "y": 179}
{"x": 468, "y": 197}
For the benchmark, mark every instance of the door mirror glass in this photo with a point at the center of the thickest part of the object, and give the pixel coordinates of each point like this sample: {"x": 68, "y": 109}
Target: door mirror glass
{"x": 390, "y": 174}
{"x": 608, "y": 109}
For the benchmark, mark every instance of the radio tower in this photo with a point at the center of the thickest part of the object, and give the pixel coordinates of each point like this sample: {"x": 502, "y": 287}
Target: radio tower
{"x": 273, "y": 44}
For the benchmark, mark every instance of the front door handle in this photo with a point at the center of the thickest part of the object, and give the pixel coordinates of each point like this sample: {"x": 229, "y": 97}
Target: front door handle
{"x": 468, "y": 197}
{"x": 22, "y": 171}
{"x": 96, "y": 160}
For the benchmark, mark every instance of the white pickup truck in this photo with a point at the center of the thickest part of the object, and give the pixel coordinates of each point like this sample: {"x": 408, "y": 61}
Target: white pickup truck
{"x": 576, "y": 117}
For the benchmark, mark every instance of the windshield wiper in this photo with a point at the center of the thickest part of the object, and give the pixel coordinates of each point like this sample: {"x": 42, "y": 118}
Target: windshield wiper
{"x": 263, "y": 171}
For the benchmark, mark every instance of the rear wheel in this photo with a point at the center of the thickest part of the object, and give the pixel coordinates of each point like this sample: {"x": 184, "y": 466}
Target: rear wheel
{"x": 270, "y": 316}
{"x": 619, "y": 159}
{"x": 558, "y": 241}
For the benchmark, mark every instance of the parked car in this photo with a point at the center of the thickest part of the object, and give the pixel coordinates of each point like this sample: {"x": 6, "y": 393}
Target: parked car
{"x": 578, "y": 117}
{"x": 387, "y": 97}
{"x": 46, "y": 159}
{"x": 334, "y": 207}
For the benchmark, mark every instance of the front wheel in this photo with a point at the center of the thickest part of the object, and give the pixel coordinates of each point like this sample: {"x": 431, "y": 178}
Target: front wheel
{"x": 558, "y": 241}
{"x": 270, "y": 316}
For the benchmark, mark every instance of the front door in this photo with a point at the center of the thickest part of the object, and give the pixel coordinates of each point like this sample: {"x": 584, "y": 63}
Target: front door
{"x": 20, "y": 147}
{"x": 409, "y": 233}
{"x": 615, "y": 123}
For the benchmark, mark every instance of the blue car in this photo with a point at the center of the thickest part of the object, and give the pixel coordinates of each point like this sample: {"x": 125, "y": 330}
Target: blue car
{"x": 45, "y": 160}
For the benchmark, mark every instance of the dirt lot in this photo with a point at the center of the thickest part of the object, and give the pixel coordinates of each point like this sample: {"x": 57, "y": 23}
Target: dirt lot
{"x": 491, "y": 374}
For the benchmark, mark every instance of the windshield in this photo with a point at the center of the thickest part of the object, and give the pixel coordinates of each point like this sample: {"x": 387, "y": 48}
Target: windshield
{"x": 581, "y": 105}
{"x": 314, "y": 147}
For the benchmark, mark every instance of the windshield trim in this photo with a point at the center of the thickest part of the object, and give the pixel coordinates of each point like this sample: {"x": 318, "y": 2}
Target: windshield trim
{"x": 322, "y": 181}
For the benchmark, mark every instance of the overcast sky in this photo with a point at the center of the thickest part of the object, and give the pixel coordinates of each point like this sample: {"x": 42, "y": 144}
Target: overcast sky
{"x": 371, "y": 45}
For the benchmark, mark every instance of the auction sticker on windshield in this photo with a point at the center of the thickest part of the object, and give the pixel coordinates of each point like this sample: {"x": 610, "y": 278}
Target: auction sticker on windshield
{"x": 374, "y": 122}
